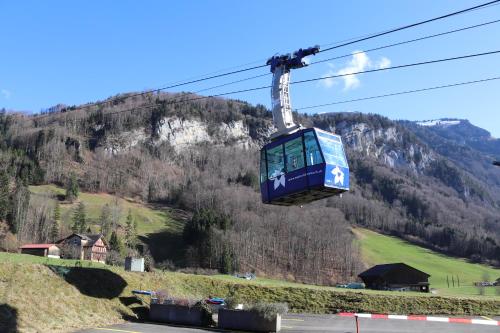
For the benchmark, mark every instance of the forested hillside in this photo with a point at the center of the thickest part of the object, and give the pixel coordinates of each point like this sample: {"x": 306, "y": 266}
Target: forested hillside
{"x": 201, "y": 156}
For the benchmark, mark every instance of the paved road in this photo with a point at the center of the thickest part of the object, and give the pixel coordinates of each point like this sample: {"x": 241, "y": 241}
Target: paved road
{"x": 319, "y": 324}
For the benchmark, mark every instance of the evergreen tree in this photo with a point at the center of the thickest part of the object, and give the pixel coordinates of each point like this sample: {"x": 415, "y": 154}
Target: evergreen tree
{"x": 79, "y": 219}
{"x": 130, "y": 230}
{"x": 54, "y": 230}
{"x": 4, "y": 196}
{"x": 72, "y": 188}
{"x": 105, "y": 220}
{"x": 114, "y": 243}
{"x": 226, "y": 261}
{"x": 19, "y": 207}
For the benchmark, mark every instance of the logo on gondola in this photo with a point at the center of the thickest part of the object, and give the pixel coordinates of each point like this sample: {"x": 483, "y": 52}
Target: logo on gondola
{"x": 279, "y": 180}
{"x": 339, "y": 176}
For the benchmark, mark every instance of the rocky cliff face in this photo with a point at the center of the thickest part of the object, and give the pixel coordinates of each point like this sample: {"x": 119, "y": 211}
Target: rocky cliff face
{"x": 181, "y": 134}
{"x": 387, "y": 145}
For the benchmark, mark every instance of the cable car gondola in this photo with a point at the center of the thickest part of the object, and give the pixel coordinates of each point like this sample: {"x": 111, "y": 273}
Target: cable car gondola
{"x": 299, "y": 165}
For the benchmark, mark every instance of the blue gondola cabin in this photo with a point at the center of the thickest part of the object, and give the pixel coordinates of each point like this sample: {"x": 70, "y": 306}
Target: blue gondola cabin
{"x": 307, "y": 165}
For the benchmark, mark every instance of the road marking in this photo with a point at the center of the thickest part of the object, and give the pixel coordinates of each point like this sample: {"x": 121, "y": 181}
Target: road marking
{"x": 115, "y": 330}
{"x": 292, "y": 319}
{"x": 399, "y": 317}
{"x": 440, "y": 319}
{"x": 363, "y": 315}
{"x": 485, "y": 322}
{"x": 283, "y": 326}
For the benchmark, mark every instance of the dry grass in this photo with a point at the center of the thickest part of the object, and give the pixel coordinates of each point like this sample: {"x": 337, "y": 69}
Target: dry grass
{"x": 61, "y": 299}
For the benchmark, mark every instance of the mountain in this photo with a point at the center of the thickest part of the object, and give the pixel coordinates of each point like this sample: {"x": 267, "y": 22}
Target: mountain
{"x": 462, "y": 132}
{"x": 417, "y": 182}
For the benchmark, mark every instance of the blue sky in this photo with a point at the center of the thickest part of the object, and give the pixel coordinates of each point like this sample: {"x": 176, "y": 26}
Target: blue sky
{"x": 75, "y": 52}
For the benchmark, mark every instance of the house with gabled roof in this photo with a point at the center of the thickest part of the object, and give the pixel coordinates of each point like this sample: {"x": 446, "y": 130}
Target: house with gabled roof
{"x": 397, "y": 276}
{"x": 92, "y": 247}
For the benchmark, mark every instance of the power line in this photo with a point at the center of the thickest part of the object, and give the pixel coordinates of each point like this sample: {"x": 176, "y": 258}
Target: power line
{"x": 411, "y": 25}
{"x": 364, "y": 51}
{"x": 232, "y": 82}
{"x": 399, "y": 66}
{"x": 308, "y": 80}
{"x": 175, "y": 85}
{"x": 215, "y": 72}
{"x": 367, "y": 35}
{"x": 406, "y": 42}
{"x": 180, "y": 83}
{"x": 399, "y": 93}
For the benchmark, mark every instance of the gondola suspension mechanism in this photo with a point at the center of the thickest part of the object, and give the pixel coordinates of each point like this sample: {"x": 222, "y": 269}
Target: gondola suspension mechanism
{"x": 299, "y": 165}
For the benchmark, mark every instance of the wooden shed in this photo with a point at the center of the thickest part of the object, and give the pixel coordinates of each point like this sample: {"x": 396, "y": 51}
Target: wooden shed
{"x": 42, "y": 250}
{"x": 397, "y": 276}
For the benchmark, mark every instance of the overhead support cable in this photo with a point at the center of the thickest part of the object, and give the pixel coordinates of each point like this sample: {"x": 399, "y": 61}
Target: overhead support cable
{"x": 399, "y": 66}
{"x": 405, "y": 42}
{"x": 411, "y": 25}
{"x": 348, "y": 42}
{"x": 304, "y": 81}
{"x": 398, "y": 93}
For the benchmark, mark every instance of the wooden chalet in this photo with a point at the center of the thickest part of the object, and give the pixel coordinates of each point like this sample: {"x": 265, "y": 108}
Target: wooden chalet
{"x": 85, "y": 247}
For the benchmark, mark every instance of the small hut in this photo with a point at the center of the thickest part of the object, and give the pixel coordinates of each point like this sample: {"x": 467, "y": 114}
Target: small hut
{"x": 42, "y": 250}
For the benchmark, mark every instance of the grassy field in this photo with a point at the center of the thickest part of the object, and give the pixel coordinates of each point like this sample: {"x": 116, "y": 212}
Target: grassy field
{"x": 149, "y": 219}
{"x": 18, "y": 258}
{"x": 159, "y": 227}
{"x": 379, "y": 249}
{"x": 51, "y": 296}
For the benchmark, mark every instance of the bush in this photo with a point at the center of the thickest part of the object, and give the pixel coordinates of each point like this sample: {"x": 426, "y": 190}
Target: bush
{"x": 207, "y": 319}
{"x": 8, "y": 241}
{"x": 198, "y": 271}
{"x": 233, "y": 301}
{"x": 149, "y": 262}
{"x": 162, "y": 297}
{"x": 269, "y": 310}
{"x": 166, "y": 265}
{"x": 114, "y": 258}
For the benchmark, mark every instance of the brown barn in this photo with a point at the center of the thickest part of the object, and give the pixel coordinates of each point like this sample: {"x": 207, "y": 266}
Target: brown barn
{"x": 396, "y": 276}
{"x": 42, "y": 250}
{"x": 85, "y": 247}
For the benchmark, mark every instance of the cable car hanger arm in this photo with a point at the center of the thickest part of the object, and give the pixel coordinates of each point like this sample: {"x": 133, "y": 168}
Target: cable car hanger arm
{"x": 280, "y": 91}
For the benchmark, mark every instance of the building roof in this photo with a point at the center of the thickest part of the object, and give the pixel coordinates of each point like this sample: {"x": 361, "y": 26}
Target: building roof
{"x": 91, "y": 238}
{"x": 37, "y": 246}
{"x": 94, "y": 238}
{"x": 381, "y": 270}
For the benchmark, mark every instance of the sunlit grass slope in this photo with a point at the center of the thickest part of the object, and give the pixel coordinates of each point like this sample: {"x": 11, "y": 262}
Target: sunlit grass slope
{"x": 380, "y": 249}
{"x": 149, "y": 219}
{"x": 52, "y": 296}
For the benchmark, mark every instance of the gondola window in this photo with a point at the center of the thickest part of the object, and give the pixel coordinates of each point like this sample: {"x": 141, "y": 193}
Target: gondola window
{"x": 294, "y": 154}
